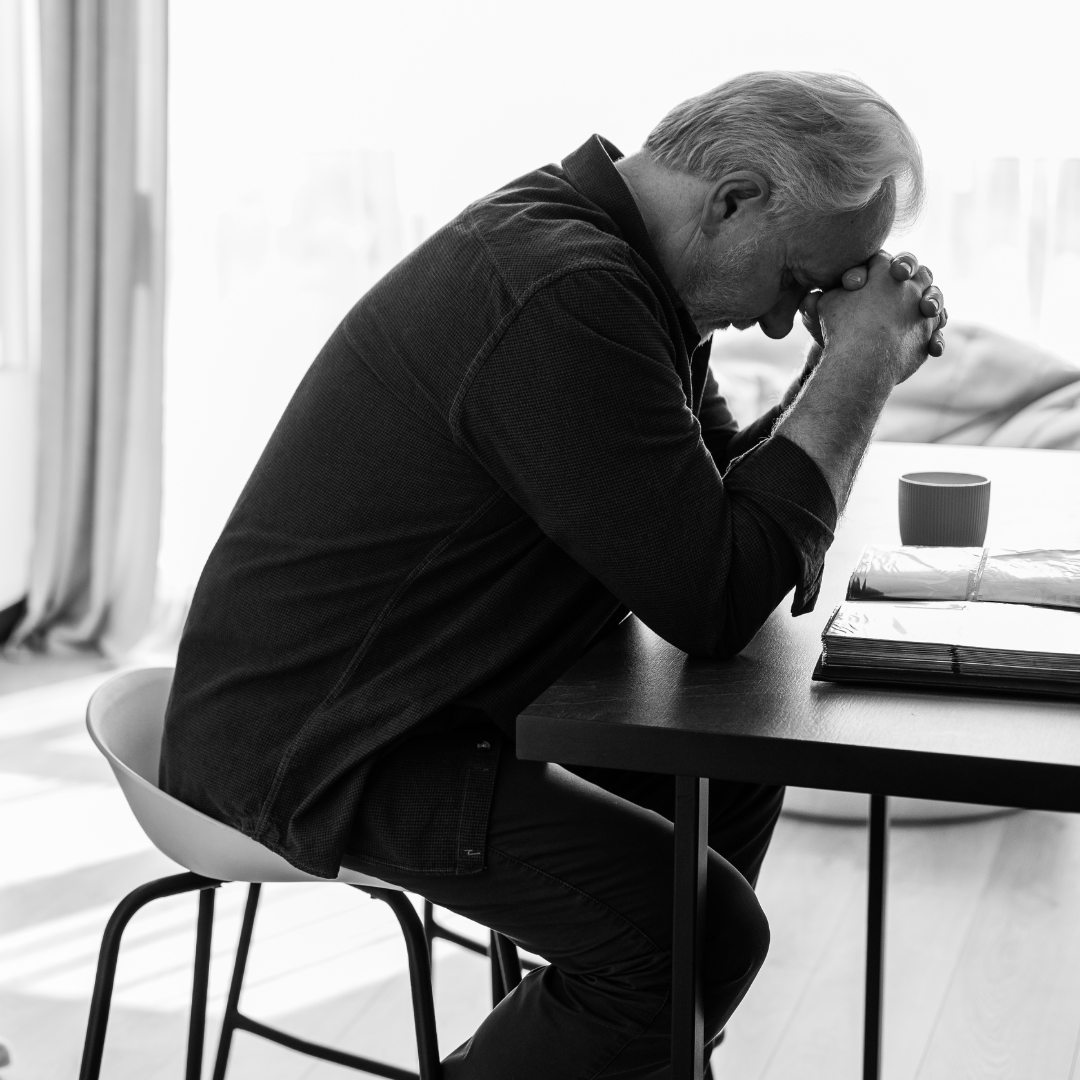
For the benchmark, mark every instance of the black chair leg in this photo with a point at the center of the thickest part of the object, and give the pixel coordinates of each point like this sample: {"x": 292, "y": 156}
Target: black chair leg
{"x": 498, "y": 985}
{"x": 232, "y": 1003}
{"x": 433, "y": 930}
{"x": 423, "y": 1004}
{"x": 199, "y": 985}
{"x": 505, "y": 954}
{"x": 430, "y": 931}
{"x": 98, "y": 1022}
{"x": 416, "y": 942}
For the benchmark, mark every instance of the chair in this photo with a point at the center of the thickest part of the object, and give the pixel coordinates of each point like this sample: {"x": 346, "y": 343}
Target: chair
{"x": 125, "y": 718}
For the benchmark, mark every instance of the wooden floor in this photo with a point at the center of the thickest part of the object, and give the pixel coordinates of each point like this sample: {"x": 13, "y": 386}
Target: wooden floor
{"x": 983, "y": 969}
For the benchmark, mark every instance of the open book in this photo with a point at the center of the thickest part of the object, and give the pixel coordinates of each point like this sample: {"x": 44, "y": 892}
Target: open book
{"x": 959, "y": 617}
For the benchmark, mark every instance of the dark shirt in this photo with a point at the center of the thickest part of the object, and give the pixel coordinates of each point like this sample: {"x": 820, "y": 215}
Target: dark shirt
{"x": 512, "y": 438}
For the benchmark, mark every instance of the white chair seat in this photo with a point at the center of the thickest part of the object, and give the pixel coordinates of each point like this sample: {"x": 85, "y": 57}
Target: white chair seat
{"x": 126, "y": 718}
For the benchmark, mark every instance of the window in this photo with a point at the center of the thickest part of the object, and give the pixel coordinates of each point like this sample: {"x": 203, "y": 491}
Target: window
{"x": 312, "y": 144}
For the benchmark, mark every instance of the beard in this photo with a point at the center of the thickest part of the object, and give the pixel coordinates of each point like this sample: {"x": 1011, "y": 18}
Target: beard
{"x": 713, "y": 286}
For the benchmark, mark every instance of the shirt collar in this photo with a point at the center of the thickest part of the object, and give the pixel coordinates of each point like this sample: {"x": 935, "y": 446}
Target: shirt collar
{"x": 591, "y": 169}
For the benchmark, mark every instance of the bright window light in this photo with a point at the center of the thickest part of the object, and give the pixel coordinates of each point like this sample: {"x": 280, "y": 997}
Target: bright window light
{"x": 313, "y": 143}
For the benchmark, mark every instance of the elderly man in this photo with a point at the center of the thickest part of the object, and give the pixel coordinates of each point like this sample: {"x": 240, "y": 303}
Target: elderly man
{"x": 509, "y": 442}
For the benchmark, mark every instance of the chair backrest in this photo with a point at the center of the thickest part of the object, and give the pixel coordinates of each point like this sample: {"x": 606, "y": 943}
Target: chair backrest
{"x": 126, "y": 718}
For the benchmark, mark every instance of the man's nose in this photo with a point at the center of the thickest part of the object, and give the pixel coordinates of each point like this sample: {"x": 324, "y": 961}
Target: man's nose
{"x": 779, "y": 319}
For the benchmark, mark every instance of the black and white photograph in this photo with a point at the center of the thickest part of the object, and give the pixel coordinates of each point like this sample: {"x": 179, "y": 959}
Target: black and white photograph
{"x": 539, "y": 541}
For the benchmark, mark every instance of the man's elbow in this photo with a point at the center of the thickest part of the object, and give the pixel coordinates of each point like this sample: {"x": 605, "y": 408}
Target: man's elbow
{"x": 719, "y": 642}
{"x": 720, "y": 626}
{"x": 729, "y": 645}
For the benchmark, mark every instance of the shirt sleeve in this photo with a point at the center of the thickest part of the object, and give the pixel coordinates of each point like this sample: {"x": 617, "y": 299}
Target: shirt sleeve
{"x": 580, "y": 414}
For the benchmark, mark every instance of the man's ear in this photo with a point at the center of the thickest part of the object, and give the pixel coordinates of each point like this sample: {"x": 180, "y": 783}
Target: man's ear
{"x": 732, "y": 199}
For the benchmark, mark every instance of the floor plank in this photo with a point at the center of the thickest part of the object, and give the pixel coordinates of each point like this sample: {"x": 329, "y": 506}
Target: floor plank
{"x": 811, "y": 877}
{"x": 936, "y": 882}
{"x": 1012, "y": 1010}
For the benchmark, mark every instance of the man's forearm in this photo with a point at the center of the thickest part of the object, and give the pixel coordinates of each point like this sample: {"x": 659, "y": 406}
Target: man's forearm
{"x": 833, "y": 416}
{"x": 813, "y": 358}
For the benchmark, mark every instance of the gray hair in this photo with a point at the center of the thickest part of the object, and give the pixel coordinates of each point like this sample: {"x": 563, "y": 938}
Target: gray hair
{"x": 826, "y": 143}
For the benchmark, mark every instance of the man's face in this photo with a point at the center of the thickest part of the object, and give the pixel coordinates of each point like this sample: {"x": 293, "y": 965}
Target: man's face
{"x": 764, "y": 278}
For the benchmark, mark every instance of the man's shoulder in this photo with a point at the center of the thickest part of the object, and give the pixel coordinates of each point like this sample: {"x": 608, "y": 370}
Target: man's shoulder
{"x": 540, "y": 227}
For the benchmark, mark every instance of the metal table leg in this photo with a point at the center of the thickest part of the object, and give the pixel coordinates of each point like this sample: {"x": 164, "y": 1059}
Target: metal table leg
{"x": 691, "y": 842}
{"x": 875, "y": 936}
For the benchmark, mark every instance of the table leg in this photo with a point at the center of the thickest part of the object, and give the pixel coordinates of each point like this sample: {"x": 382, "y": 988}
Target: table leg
{"x": 875, "y": 936}
{"x": 691, "y": 843}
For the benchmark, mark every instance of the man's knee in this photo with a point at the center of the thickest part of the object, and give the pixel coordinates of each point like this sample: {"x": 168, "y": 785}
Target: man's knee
{"x": 740, "y": 942}
{"x": 736, "y": 944}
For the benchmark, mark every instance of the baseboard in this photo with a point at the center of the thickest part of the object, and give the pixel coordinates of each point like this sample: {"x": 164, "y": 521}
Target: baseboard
{"x": 10, "y": 617}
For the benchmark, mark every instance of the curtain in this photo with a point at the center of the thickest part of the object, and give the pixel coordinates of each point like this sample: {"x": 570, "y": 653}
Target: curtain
{"x": 19, "y": 184}
{"x": 103, "y": 104}
{"x": 15, "y": 299}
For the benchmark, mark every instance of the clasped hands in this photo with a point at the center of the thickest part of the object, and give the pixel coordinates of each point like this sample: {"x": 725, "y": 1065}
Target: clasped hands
{"x": 901, "y": 268}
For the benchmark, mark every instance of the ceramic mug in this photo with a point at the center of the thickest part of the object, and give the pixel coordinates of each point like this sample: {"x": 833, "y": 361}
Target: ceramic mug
{"x": 944, "y": 509}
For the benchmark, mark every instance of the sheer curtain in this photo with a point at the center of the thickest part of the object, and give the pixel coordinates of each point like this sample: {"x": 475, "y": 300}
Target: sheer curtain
{"x": 15, "y": 299}
{"x": 93, "y": 568}
{"x": 18, "y": 235}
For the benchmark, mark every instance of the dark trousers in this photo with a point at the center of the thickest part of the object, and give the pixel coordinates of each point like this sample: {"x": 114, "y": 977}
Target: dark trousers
{"x": 579, "y": 870}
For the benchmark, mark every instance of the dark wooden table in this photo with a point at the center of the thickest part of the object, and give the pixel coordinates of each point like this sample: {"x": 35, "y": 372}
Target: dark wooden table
{"x": 635, "y": 702}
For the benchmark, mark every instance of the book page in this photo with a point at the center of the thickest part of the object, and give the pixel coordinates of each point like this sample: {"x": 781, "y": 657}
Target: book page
{"x": 1020, "y": 628}
{"x": 914, "y": 573}
{"x": 936, "y": 622}
{"x": 1047, "y": 576}
{"x": 1001, "y": 628}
